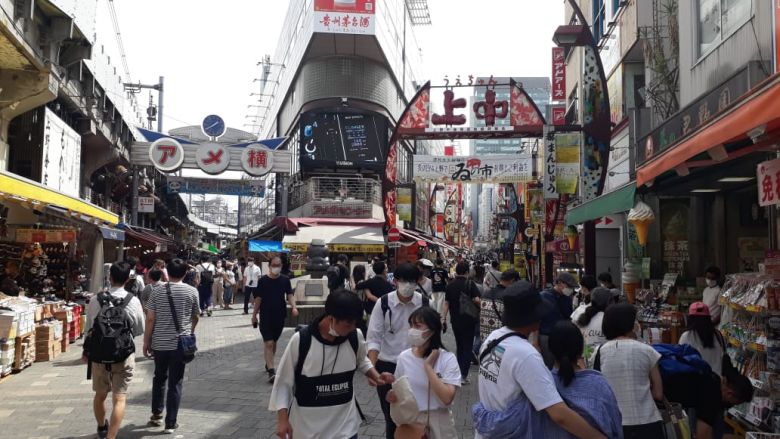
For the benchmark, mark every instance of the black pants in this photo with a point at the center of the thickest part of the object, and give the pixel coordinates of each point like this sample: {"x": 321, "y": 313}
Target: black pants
{"x": 644, "y": 431}
{"x": 384, "y": 366}
{"x": 247, "y": 298}
{"x": 168, "y": 366}
{"x": 464, "y": 342}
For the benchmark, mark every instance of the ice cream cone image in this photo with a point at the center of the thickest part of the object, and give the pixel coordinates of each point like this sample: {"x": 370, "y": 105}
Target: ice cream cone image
{"x": 571, "y": 236}
{"x": 641, "y": 216}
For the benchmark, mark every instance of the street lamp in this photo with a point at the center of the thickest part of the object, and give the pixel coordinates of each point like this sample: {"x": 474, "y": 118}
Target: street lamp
{"x": 572, "y": 35}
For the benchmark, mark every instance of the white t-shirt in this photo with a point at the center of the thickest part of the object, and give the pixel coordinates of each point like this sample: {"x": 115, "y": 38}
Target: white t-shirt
{"x": 252, "y": 275}
{"x": 594, "y": 337}
{"x": 514, "y": 368}
{"x": 230, "y": 278}
{"x": 713, "y": 356}
{"x": 575, "y": 315}
{"x": 330, "y": 422}
{"x": 413, "y": 368}
{"x": 626, "y": 365}
{"x": 427, "y": 285}
{"x": 710, "y": 297}
{"x": 203, "y": 266}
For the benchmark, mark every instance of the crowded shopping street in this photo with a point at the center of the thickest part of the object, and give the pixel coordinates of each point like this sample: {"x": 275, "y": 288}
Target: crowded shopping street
{"x": 399, "y": 219}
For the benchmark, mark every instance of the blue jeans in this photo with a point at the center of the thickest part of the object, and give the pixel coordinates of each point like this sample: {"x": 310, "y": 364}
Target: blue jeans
{"x": 204, "y": 295}
{"x": 168, "y": 367}
{"x": 227, "y": 296}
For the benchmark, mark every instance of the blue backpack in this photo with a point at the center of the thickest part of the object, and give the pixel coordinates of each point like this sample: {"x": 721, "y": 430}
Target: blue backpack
{"x": 679, "y": 359}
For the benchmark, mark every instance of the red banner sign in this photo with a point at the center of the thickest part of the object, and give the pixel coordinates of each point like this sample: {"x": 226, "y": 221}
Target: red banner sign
{"x": 558, "y": 74}
{"x": 439, "y": 223}
{"x": 768, "y": 177}
{"x": 559, "y": 115}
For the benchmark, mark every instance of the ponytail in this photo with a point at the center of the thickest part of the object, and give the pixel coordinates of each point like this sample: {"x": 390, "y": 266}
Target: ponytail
{"x": 589, "y": 313}
{"x": 565, "y": 370}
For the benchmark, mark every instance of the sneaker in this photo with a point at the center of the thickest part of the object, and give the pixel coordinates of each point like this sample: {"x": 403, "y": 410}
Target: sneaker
{"x": 156, "y": 419}
{"x": 209, "y": 312}
{"x": 102, "y": 432}
{"x": 170, "y": 429}
{"x": 271, "y": 375}
{"x": 202, "y": 313}
{"x": 464, "y": 381}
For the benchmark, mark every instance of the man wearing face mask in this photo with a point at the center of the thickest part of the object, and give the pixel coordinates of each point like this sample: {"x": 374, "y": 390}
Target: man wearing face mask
{"x": 388, "y": 329}
{"x": 712, "y": 293}
{"x": 250, "y": 277}
{"x": 313, "y": 395}
{"x": 269, "y": 301}
{"x": 559, "y": 300}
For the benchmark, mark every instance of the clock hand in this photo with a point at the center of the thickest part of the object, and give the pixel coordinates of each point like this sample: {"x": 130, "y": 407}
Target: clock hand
{"x": 212, "y": 125}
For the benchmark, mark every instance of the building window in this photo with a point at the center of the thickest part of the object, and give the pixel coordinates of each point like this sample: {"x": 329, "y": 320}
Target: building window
{"x": 718, "y": 19}
{"x": 599, "y": 18}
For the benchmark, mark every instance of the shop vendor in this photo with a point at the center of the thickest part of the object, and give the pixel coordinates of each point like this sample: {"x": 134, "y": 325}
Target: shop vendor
{"x": 8, "y": 285}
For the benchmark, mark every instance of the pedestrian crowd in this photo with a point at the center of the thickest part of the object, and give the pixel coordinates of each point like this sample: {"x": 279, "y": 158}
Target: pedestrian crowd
{"x": 568, "y": 361}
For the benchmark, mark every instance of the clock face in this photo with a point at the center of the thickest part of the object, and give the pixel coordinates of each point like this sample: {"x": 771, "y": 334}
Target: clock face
{"x": 214, "y": 126}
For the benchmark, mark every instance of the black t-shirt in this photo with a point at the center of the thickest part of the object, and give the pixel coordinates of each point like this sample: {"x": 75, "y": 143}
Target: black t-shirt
{"x": 378, "y": 287}
{"x": 452, "y": 296}
{"x": 8, "y": 285}
{"x": 439, "y": 278}
{"x": 700, "y": 392}
{"x": 273, "y": 293}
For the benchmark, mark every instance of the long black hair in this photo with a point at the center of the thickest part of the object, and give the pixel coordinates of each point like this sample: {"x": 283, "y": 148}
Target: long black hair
{"x": 359, "y": 273}
{"x": 704, "y": 328}
{"x": 596, "y": 306}
{"x": 430, "y": 318}
{"x": 566, "y": 345}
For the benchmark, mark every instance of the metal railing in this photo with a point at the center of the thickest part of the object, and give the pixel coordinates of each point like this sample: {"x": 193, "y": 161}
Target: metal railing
{"x": 335, "y": 189}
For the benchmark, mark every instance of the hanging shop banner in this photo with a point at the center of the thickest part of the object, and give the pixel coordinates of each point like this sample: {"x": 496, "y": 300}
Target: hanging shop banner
{"x": 405, "y": 204}
{"x": 559, "y": 115}
{"x": 45, "y": 236}
{"x": 439, "y": 224}
{"x": 356, "y": 248}
{"x": 61, "y": 156}
{"x": 355, "y": 17}
{"x": 558, "y": 74}
{"x": 422, "y": 208}
{"x": 674, "y": 233}
{"x": 615, "y": 89}
{"x": 768, "y": 177}
{"x": 534, "y": 206}
{"x": 243, "y": 188}
{"x": 486, "y": 169}
{"x": 567, "y": 166}
{"x": 550, "y": 168}
{"x": 145, "y": 205}
{"x": 296, "y": 247}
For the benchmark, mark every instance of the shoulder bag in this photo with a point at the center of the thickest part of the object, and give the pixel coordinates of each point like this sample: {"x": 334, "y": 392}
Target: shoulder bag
{"x": 187, "y": 345}
{"x": 467, "y": 306}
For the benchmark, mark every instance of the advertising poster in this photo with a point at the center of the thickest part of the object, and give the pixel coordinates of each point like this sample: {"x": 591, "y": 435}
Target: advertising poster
{"x": 405, "y": 204}
{"x": 345, "y": 16}
{"x": 550, "y": 168}
{"x": 567, "y": 153}
{"x": 674, "y": 234}
{"x": 475, "y": 169}
{"x": 61, "y": 156}
{"x": 343, "y": 140}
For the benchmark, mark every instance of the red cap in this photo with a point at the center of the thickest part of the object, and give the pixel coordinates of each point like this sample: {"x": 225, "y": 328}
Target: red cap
{"x": 699, "y": 309}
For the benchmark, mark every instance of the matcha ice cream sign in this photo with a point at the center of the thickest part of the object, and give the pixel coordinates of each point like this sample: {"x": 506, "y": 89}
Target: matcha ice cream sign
{"x": 567, "y": 153}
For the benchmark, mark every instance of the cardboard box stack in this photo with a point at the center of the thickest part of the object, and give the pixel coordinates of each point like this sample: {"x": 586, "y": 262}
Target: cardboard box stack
{"x": 6, "y": 356}
{"x": 24, "y": 352}
{"x": 48, "y": 341}
{"x": 9, "y": 324}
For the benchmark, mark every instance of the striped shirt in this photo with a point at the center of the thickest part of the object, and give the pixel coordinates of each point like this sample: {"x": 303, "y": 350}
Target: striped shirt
{"x": 185, "y": 301}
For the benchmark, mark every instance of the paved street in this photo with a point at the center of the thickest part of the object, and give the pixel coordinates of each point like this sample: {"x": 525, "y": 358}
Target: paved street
{"x": 225, "y": 392}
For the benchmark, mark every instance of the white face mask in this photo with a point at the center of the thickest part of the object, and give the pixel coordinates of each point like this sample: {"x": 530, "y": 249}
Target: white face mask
{"x": 250, "y": 264}
{"x": 712, "y": 283}
{"x": 568, "y": 291}
{"x": 332, "y": 332}
{"x": 406, "y": 289}
{"x": 276, "y": 270}
{"x": 417, "y": 337}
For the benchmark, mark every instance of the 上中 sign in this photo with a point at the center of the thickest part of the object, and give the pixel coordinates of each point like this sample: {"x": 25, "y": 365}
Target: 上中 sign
{"x": 474, "y": 169}
{"x": 212, "y": 158}
{"x": 45, "y": 236}
{"x": 257, "y": 160}
{"x": 145, "y": 205}
{"x": 768, "y": 176}
{"x": 345, "y": 16}
{"x": 166, "y": 154}
{"x": 550, "y": 168}
{"x": 558, "y": 74}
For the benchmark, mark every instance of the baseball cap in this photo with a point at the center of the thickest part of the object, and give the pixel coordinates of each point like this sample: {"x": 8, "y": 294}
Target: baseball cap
{"x": 523, "y": 305}
{"x": 699, "y": 309}
{"x": 567, "y": 279}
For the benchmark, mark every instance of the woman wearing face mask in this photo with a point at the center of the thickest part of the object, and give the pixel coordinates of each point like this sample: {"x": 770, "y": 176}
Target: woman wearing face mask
{"x": 433, "y": 374}
{"x": 218, "y": 289}
{"x": 711, "y": 293}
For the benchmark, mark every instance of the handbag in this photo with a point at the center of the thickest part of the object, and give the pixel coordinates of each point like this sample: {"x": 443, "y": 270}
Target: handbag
{"x": 675, "y": 420}
{"x": 404, "y": 410}
{"x": 467, "y": 305}
{"x": 187, "y": 344}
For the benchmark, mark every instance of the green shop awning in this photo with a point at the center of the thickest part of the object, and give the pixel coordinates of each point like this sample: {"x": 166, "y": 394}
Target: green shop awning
{"x": 619, "y": 200}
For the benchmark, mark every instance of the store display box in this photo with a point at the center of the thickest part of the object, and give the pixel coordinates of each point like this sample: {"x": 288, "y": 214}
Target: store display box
{"x": 47, "y": 350}
{"x": 24, "y": 352}
{"x": 9, "y": 325}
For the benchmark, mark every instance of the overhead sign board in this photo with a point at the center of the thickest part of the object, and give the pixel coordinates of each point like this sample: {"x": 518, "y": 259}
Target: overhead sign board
{"x": 257, "y": 160}
{"x": 45, "y": 236}
{"x": 472, "y": 169}
{"x": 345, "y": 16}
{"x": 243, "y": 188}
{"x": 168, "y": 155}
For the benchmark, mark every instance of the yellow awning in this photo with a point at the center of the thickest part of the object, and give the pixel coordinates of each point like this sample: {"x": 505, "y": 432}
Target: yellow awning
{"x": 14, "y": 186}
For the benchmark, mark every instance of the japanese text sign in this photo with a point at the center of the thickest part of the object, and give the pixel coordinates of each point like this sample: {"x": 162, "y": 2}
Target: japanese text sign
{"x": 550, "y": 167}
{"x": 486, "y": 169}
{"x": 559, "y": 115}
{"x": 45, "y": 235}
{"x": 769, "y": 183}
{"x": 558, "y": 74}
{"x": 145, "y": 205}
{"x": 212, "y": 158}
{"x": 345, "y": 16}
{"x": 257, "y": 160}
{"x": 567, "y": 166}
{"x": 166, "y": 154}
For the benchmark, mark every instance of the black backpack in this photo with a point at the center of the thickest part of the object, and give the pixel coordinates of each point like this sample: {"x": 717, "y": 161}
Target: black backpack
{"x": 206, "y": 277}
{"x": 384, "y": 302}
{"x": 110, "y": 340}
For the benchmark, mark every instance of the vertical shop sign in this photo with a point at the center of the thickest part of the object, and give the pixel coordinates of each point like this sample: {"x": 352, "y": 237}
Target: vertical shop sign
{"x": 567, "y": 158}
{"x": 674, "y": 232}
{"x": 768, "y": 176}
{"x": 405, "y": 204}
{"x": 550, "y": 174}
{"x": 559, "y": 115}
{"x": 61, "y": 156}
{"x": 439, "y": 224}
{"x": 558, "y": 74}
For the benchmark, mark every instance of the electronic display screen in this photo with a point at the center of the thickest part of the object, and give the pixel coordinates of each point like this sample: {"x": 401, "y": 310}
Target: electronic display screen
{"x": 343, "y": 140}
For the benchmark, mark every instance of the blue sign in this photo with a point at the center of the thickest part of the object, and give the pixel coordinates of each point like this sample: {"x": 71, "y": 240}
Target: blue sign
{"x": 242, "y": 188}
{"x": 214, "y": 126}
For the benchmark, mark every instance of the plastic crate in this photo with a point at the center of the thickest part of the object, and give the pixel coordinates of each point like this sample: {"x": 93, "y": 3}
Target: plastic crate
{"x": 758, "y": 435}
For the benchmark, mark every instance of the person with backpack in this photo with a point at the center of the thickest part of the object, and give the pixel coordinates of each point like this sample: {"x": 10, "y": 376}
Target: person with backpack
{"x": 313, "y": 394}
{"x": 172, "y": 312}
{"x": 387, "y": 330}
{"x": 439, "y": 279}
{"x": 703, "y": 336}
{"x": 512, "y": 368}
{"x": 207, "y": 274}
{"x": 631, "y": 368}
{"x": 135, "y": 283}
{"x": 113, "y": 319}
{"x": 492, "y": 276}
{"x": 376, "y": 287}
{"x": 492, "y": 304}
{"x": 462, "y": 301}
{"x": 272, "y": 294}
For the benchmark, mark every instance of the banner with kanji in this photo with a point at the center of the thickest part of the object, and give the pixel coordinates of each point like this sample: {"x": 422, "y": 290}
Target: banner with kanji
{"x": 567, "y": 154}
{"x": 769, "y": 183}
{"x": 507, "y": 168}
